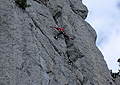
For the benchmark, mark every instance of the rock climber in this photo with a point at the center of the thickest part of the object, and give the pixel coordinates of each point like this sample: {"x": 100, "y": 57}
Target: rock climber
{"x": 61, "y": 31}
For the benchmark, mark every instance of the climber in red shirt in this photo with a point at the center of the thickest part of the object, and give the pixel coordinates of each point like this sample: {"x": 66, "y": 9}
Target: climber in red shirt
{"x": 61, "y": 31}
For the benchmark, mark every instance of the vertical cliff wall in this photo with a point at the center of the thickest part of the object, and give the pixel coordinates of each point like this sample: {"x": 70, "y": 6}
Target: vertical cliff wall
{"x": 30, "y": 55}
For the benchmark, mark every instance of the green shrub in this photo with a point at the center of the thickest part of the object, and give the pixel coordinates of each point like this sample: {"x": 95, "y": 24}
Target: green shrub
{"x": 22, "y": 3}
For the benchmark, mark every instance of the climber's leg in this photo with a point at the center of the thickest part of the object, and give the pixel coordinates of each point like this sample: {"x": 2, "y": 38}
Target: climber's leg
{"x": 66, "y": 36}
{"x": 57, "y": 35}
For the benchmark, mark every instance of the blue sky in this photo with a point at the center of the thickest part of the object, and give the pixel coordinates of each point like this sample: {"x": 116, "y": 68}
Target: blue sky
{"x": 104, "y": 17}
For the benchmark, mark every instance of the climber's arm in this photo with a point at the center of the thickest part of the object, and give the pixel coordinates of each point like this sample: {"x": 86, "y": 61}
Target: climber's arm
{"x": 64, "y": 31}
{"x": 53, "y": 27}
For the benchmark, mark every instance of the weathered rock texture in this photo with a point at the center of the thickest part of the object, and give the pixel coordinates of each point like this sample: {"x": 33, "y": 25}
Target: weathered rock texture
{"x": 29, "y": 54}
{"x": 117, "y": 80}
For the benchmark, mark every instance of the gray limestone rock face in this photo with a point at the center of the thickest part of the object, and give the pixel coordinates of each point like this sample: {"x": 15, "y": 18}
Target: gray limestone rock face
{"x": 30, "y": 55}
{"x": 117, "y": 80}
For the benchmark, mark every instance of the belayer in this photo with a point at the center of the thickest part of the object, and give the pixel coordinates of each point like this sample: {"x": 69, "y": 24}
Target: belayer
{"x": 61, "y": 31}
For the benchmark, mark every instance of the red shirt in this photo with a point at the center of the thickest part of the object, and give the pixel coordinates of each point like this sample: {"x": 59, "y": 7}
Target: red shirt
{"x": 60, "y": 29}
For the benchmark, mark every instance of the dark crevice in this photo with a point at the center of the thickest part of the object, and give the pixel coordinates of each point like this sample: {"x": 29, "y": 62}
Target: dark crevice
{"x": 54, "y": 47}
{"x": 42, "y": 2}
{"x": 73, "y": 53}
{"x": 67, "y": 52}
{"x": 47, "y": 38}
{"x": 69, "y": 61}
{"x": 58, "y": 14}
{"x": 48, "y": 72}
{"x": 49, "y": 82}
{"x": 28, "y": 72}
{"x": 35, "y": 62}
{"x": 34, "y": 22}
{"x": 68, "y": 43}
{"x": 45, "y": 50}
{"x": 55, "y": 17}
{"x": 38, "y": 1}
{"x": 42, "y": 15}
{"x": 37, "y": 26}
{"x": 79, "y": 12}
{"x": 55, "y": 20}
{"x": 72, "y": 6}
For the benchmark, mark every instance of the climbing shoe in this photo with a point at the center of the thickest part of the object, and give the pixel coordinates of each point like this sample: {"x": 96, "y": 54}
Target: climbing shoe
{"x": 56, "y": 37}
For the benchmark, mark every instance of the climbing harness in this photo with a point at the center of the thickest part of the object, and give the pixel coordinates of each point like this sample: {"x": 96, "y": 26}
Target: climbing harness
{"x": 60, "y": 30}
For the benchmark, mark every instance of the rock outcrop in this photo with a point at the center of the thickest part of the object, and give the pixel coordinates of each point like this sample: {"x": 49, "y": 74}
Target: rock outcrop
{"x": 117, "y": 80}
{"x": 29, "y": 54}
